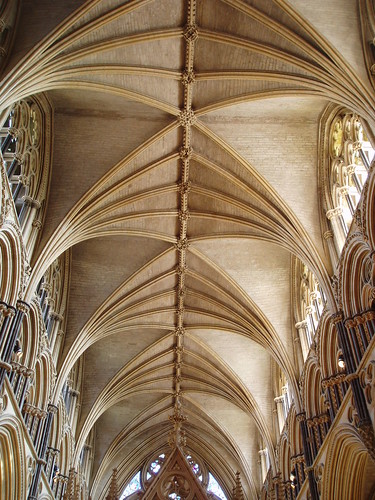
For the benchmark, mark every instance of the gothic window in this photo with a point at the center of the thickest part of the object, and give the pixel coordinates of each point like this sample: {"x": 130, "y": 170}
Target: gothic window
{"x": 71, "y": 393}
{"x": 195, "y": 466}
{"x": 351, "y": 155}
{"x": 310, "y": 301}
{"x": 133, "y": 486}
{"x": 215, "y": 488}
{"x": 155, "y": 466}
{"x": 143, "y": 478}
{"x": 25, "y": 150}
{"x": 52, "y": 297}
{"x": 283, "y": 401}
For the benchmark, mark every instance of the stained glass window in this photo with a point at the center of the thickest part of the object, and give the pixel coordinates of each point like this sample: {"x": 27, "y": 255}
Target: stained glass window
{"x": 133, "y": 486}
{"x": 155, "y": 465}
{"x": 215, "y": 488}
{"x": 195, "y": 467}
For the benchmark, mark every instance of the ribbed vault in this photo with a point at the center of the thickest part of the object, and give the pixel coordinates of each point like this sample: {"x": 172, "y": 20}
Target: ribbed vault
{"x": 184, "y": 177}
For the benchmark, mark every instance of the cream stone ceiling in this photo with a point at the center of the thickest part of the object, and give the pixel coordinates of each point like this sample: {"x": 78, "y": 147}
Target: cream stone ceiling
{"x": 184, "y": 177}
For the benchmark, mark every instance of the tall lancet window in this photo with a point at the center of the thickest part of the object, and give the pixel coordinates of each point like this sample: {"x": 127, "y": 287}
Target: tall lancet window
{"x": 308, "y": 304}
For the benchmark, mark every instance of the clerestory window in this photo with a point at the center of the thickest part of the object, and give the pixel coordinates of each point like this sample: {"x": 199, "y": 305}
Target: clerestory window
{"x": 25, "y": 148}
{"x": 310, "y": 301}
{"x": 351, "y": 155}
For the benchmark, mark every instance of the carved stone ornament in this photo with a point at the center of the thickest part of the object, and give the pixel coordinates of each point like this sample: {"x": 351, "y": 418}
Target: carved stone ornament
{"x": 179, "y": 331}
{"x": 184, "y": 215}
{"x": 30, "y": 470}
{"x": 190, "y": 32}
{"x": 367, "y": 380}
{"x": 185, "y": 152}
{"x": 176, "y": 484}
{"x": 3, "y": 403}
{"x": 25, "y": 280}
{"x": 6, "y": 211}
{"x": 358, "y": 219}
{"x": 187, "y": 117}
{"x": 185, "y": 187}
{"x": 37, "y": 224}
{"x": 337, "y": 139}
{"x": 187, "y": 78}
{"x": 318, "y": 472}
{"x": 328, "y": 235}
{"x": 182, "y": 244}
{"x": 335, "y": 212}
{"x": 181, "y": 270}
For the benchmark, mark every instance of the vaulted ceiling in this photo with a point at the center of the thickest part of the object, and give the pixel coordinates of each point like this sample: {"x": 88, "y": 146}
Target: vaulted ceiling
{"x": 184, "y": 177}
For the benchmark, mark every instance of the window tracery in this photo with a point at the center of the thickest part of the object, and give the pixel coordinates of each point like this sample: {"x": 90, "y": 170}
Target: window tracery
{"x": 25, "y": 148}
{"x": 71, "y": 393}
{"x": 283, "y": 401}
{"x": 133, "y": 486}
{"x": 351, "y": 155}
{"x": 174, "y": 489}
{"x": 52, "y": 297}
{"x": 309, "y": 304}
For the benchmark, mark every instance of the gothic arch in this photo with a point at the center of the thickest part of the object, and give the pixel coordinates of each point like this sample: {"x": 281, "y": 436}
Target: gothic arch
{"x": 11, "y": 252}
{"x": 12, "y": 462}
{"x": 342, "y": 173}
{"x": 368, "y": 213}
{"x": 347, "y": 452}
{"x": 294, "y": 435}
{"x": 356, "y": 272}
{"x": 311, "y": 389}
{"x": 27, "y": 151}
{"x": 31, "y": 336}
{"x": 43, "y": 378}
{"x": 66, "y": 452}
{"x": 284, "y": 457}
{"x": 328, "y": 347}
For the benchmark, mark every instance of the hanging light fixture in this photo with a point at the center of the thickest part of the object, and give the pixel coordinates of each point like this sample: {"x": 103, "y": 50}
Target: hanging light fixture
{"x": 341, "y": 362}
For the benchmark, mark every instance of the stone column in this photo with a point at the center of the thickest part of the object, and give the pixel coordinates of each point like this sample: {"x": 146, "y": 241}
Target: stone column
{"x": 309, "y": 312}
{"x": 301, "y": 328}
{"x": 344, "y": 343}
{"x": 33, "y": 492}
{"x": 301, "y": 418}
{"x": 6, "y": 315}
{"x": 298, "y": 472}
{"x": 364, "y": 424}
{"x": 338, "y": 226}
{"x": 27, "y": 214}
{"x": 280, "y": 411}
{"x": 11, "y": 337}
{"x": 355, "y": 341}
{"x": 329, "y": 238}
{"x": 263, "y": 463}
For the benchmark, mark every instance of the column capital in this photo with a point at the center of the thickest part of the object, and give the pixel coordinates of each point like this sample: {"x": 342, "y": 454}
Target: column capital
{"x": 31, "y": 202}
{"x": 301, "y": 324}
{"x": 301, "y": 417}
{"x": 52, "y": 408}
{"x": 23, "y": 306}
{"x": 328, "y": 235}
{"x": 333, "y": 213}
{"x": 337, "y": 317}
